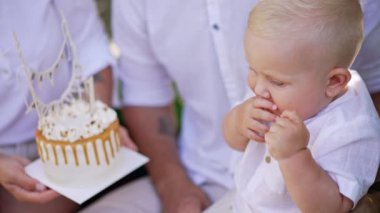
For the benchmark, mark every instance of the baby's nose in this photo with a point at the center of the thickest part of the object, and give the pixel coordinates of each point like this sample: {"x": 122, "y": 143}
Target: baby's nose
{"x": 261, "y": 90}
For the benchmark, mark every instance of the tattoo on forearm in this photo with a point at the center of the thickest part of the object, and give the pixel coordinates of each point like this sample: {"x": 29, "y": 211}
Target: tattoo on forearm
{"x": 98, "y": 78}
{"x": 166, "y": 126}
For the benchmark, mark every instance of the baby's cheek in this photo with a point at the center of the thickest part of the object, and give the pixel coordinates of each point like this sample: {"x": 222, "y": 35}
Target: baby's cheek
{"x": 284, "y": 106}
{"x": 251, "y": 82}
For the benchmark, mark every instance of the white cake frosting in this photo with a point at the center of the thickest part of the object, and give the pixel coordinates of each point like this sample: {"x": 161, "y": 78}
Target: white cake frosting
{"x": 76, "y": 146}
{"x": 75, "y": 121}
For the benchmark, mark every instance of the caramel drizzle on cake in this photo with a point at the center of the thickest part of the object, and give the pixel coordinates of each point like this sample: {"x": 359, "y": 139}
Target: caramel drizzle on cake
{"x": 96, "y": 154}
{"x": 64, "y": 153}
{"x": 55, "y": 156}
{"x": 86, "y": 154}
{"x": 105, "y": 152}
{"x": 75, "y": 155}
{"x": 108, "y": 138}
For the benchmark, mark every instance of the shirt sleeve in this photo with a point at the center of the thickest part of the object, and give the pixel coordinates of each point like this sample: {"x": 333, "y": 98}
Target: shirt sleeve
{"x": 350, "y": 155}
{"x": 145, "y": 81}
{"x": 88, "y": 34}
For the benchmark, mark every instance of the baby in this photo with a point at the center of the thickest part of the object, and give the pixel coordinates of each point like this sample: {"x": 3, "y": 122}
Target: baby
{"x": 309, "y": 131}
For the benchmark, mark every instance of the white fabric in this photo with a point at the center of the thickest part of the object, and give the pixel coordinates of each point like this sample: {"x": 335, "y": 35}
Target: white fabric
{"x": 27, "y": 150}
{"x": 368, "y": 61}
{"x": 223, "y": 205}
{"x": 140, "y": 196}
{"x": 344, "y": 141}
{"x": 198, "y": 44}
{"x": 37, "y": 25}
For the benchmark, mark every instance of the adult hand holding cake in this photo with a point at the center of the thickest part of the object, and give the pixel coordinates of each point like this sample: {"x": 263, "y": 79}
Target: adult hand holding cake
{"x": 23, "y": 187}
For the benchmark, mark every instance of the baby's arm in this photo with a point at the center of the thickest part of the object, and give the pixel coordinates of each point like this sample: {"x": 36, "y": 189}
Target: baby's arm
{"x": 310, "y": 187}
{"x": 246, "y": 122}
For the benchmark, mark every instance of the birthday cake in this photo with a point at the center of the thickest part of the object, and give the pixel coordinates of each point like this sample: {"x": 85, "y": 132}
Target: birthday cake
{"x": 76, "y": 143}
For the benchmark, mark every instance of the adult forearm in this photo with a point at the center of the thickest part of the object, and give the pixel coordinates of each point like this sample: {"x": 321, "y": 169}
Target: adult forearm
{"x": 103, "y": 82}
{"x": 310, "y": 187}
{"x": 154, "y": 131}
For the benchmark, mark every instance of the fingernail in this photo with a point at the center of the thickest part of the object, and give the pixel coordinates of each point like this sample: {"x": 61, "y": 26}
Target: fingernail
{"x": 40, "y": 187}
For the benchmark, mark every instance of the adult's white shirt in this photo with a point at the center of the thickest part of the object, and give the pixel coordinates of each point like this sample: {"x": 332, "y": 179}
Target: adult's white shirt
{"x": 38, "y": 26}
{"x": 198, "y": 44}
{"x": 367, "y": 62}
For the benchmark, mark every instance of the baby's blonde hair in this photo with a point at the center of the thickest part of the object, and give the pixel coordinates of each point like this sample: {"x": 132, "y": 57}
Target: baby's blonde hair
{"x": 336, "y": 23}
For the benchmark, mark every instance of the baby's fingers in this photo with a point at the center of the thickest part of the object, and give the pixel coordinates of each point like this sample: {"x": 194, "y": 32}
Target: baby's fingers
{"x": 292, "y": 115}
{"x": 258, "y": 127}
{"x": 263, "y": 115}
{"x": 283, "y": 122}
{"x": 252, "y": 135}
{"x": 263, "y": 104}
{"x": 275, "y": 129}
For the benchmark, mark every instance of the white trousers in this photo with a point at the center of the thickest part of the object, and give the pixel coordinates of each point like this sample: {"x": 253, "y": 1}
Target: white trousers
{"x": 139, "y": 196}
{"x": 27, "y": 150}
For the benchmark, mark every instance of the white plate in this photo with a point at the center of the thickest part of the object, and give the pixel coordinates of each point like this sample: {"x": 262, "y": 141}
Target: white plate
{"x": 128, "y": 162}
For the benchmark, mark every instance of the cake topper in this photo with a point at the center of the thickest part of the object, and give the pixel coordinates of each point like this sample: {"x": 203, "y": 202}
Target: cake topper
{"x": 76, "y": 88}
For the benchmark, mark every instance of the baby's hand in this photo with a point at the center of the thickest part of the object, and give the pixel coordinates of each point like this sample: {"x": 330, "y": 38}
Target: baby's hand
{"x": 252, "y": 115}
{"x": 287, "y": 136}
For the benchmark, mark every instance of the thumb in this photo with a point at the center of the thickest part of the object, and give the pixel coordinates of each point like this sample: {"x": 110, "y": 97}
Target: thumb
{"x": 125, "y": 139}
{"x": 24, "y": 181}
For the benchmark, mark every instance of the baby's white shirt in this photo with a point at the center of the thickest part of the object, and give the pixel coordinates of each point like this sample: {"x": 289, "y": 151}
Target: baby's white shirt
{"x": 344, "y": 141}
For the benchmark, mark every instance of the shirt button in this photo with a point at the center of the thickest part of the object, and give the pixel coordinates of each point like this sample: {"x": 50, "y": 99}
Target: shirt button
{"x": 267, "y": 159}
{"x": 215, "y": 26}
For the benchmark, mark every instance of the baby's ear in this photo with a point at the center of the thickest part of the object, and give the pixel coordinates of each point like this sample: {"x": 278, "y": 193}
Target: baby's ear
{"x": 337, "y": 81}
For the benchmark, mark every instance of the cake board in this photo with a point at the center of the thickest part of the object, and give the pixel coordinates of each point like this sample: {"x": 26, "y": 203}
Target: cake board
{"x": 128, "y": 162}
